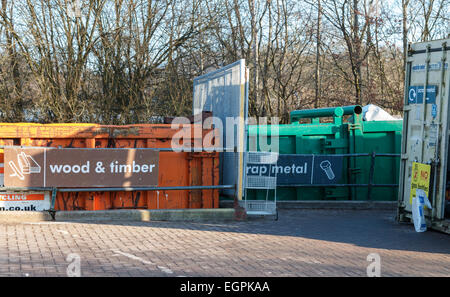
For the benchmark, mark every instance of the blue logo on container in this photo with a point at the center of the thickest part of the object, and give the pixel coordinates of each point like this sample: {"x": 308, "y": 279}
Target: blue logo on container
{"x": 415, "y": 94}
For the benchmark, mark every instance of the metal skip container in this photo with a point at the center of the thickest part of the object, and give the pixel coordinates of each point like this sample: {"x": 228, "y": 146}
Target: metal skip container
{"x": 187, "y": 171}
{"x": 341, "y": 139}
{"x": 425, "y": 137}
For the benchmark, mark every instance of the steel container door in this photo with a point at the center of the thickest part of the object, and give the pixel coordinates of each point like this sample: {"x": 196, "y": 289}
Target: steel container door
{"x": 425, "y": 125}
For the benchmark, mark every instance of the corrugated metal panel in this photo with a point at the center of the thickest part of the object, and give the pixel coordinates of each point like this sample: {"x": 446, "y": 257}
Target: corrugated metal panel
{"x": 426, "y": 122}
{"x": 224, "y": 92}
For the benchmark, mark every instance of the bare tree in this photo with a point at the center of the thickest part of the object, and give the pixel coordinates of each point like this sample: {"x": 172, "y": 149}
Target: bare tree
{"x": 127, "y": 61}
{"x": 56, "y": 48}
{"x": 346, "y": 17}
{"x": 318, "y": 46}
{"x": 12, "y": 72}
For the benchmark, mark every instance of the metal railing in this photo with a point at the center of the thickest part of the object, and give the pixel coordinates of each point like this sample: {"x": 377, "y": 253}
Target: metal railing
{"x": 113, "y": 189}
{"x": 370, "y": 185}
{"x": 180, "y": 149}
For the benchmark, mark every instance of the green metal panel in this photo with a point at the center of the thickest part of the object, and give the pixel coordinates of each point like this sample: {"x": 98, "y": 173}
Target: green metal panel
{"x": 337, "y": 137}
{"x": 379, "y": 137}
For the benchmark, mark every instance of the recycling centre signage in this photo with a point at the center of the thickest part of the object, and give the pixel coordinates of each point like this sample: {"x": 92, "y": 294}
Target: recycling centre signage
{"x": 415, "y": 94}
{"x": 51, "y": 167}
{"x": 24, "y": 201}
{"x": 301, "y": 169}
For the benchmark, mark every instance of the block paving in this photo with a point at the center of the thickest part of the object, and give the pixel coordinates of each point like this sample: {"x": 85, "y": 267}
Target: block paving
{"x": 300, "y": 243}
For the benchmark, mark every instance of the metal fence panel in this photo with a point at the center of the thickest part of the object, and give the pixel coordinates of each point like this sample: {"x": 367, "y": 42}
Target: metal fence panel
{"x": 224, "y": 92}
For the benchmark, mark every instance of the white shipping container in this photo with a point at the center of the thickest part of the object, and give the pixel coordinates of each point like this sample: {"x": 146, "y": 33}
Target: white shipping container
{"x": 425, "y": 137}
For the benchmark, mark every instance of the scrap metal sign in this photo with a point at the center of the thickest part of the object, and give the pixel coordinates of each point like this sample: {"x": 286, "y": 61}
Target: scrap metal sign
{"x": 51, "y": 167}
{"x": 301, "y": 169}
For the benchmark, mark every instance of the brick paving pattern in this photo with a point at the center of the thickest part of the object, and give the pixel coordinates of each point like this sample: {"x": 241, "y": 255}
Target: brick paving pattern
{"x": 300, "y": 243}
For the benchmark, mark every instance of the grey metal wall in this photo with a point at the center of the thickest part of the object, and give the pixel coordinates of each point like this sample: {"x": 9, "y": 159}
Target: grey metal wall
{"x": 224, "y": 92}
{"x": 425, "y": 134}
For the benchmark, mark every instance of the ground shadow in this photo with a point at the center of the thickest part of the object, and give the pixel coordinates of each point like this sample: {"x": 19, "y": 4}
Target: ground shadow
{"x": 364, "y": 228}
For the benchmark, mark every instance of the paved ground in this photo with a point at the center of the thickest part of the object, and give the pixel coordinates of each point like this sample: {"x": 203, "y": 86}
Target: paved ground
{"x": 300, "y": 243}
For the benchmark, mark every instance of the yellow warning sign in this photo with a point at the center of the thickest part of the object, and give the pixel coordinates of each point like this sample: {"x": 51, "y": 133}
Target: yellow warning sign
{"x": 420, "y": 179}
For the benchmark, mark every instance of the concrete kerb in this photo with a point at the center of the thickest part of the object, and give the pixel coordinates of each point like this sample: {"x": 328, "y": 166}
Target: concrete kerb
{"x": 187, "y": 215}
{"x": 24, "y": 216}
{"x": 225, "y": 213}
{"x": 338, "y": 205}
{"x": 344, "y": 205}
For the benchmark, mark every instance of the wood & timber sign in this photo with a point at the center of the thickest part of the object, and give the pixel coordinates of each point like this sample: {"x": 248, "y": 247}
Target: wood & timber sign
{"x": 79, "y": 167}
